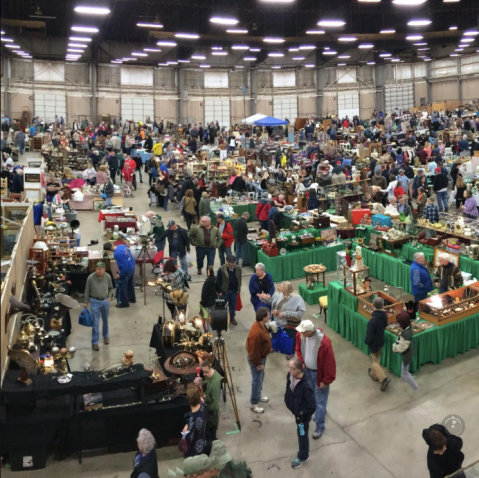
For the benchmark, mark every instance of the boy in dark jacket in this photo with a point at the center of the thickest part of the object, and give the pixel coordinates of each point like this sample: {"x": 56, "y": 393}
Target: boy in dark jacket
{"x": 444, "y": 456}
{"x": 375, "y": 341}
{"x": 300, "y": 401}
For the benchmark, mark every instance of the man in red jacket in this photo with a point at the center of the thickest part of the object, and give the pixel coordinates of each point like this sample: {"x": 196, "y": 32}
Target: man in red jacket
{"x": 226, "y": 232}
{"x": 315, "y": 351}
{"x": 262, "y": 210}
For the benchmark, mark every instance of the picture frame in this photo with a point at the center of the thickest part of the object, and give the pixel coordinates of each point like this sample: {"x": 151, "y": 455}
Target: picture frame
{"x": 32, "y": 194}
{"x": 15, "y": 213}
{"x": 9, "y": 238}
{"x": 32, "y": 177}
{"x": 454, "y": 257}
{"x": 98, "y": 204}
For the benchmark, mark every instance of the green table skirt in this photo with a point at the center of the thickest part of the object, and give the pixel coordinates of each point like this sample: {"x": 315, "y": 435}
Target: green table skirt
{"x": 250, "y": 207}
{"x": 290, "y": 266}
{"x": 433, "y": 345}
{"x": 311, "y": 296}
{"x": 252, "y": 253}
{"x": 364, "y": 234}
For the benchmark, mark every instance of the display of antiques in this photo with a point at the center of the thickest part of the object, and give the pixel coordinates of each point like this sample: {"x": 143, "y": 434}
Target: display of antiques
{"x": 391, "y": 305}
{"x": 321, "y": 221}
{"x": 373, "y": 245}
{"x": 417, "y": 327}
{"x": 395, "y": 238}
{"x": 451, "y": 306}
{"x": 270, "y": 248}
{"x": 313, "y": 272}
{"x": 353, "y": 276}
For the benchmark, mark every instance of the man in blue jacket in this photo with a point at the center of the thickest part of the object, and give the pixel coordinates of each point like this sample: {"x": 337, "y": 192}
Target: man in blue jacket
{"x": 421, "y": 283}
{"x": 126, "y": 267}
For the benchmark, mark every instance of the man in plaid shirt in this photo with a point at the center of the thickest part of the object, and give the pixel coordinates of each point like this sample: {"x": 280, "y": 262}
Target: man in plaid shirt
{"x": 431, "y": 211}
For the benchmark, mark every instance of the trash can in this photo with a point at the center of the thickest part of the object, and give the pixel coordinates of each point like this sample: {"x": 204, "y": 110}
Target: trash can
{"x": 70, "y": 216}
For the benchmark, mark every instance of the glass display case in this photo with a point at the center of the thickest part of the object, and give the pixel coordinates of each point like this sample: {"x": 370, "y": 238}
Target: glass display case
{"x": 340, "y": 263}
{"x": 353, "y": 278}
{"x": 391, "y": 305}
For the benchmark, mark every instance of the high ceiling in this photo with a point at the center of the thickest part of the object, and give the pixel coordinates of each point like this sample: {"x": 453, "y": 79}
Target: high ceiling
{"x": 37, "y": 23}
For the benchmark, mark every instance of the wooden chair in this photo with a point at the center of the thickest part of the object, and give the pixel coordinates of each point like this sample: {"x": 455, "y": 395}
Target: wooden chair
{"x": 323, "y": 305}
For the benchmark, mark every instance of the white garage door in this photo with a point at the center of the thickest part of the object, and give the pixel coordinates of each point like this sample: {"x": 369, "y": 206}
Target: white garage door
{"x": 348, "y": 104}
{"x": 217, "y": 109}
{"x": 400, "y": 96}
{"x": 47, "y": 106}
{"x": 137, "y": 109}
{"x": 285, "y": 108}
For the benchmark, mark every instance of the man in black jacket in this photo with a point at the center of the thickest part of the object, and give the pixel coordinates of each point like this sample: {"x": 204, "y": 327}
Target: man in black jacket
{"x": 239, "y": 184}
{"x": 240, "y": 233}
{"x": 178, "y": 241}
{"x": 375, "y": 341}
{"x": 440, "y": 188}
{"x": 139, "y": 165}
{"x": 444, "y": 456}
{"x": 300, "y": 401}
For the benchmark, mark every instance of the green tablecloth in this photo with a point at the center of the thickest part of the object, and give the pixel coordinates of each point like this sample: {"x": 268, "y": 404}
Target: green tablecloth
{"x": 250, "y": 207}
{"x": 311, "y": 296}
{"x": 290, "y": 266}
{"x": 366, "y": 234}
{"x": 433, "y": 345}
{"x": 252, "y": 253}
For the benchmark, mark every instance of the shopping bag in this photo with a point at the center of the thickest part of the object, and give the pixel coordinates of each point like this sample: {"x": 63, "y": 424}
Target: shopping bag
{"x": 183, "y": 446}
{"x": 85, "y": 318}
{"x": 189, "y": 262}
{"x": 103, "y": 195}
{"x": 239, "y": 304}
{"x": 282, "y": 343}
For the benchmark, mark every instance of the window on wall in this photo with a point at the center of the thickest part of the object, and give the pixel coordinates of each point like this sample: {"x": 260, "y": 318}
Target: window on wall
{"x": 164, "y": 78}
{"x": 403, "y": 72}
{"x": 137, "y": 108}
{"x": 346, "y": 75}
{"x": 420, "y": 71}
{"x": 238, "y": 79}
{"x": 282, "y": 79}
{"x": 217, "y": 109}
{"x": 444, "y": 68}
{"x": 194, "y": 79}
{"x": 348, "y": 104}
{"x": 399, "y": 96}
{"x": 21, "y": 69}
{"x": 108, "y": 75}
{"x": 366, "y": 74}
{"x": 306, "y": 77}
{"x": 131, "y": 75}
{"x": 216, "y": 79}
{"x": 285, "y": 108}
{"x": 46, "y": 106}
{"x": 265, "y": 79}
{"x": 470, "y": 64}
{"x": 77, "y": 73}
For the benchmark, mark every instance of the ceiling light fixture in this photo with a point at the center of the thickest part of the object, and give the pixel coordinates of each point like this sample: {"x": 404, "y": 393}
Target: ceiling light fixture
{"x": 315, "y": 32}
{"x": 427, "y": 59}
{"x": 166, "y": 43}
{"x": 220, "y": 53}
{"x": 255, "y": 49}
{"x": 240, "y": 47}
{"x": 75, "y": 50}
{"x": 239, "y": 66}
{"x": 309, "y": 65}
{"x": 15, "y": 47}
{"x": 172, "y": 62}
{"x": 423, "y": 49}
{"x": 369, "y": 1}
{"x": 205, "y": 66}
{"x": 116, "y": 61}
{"x": 411, "y": 3}
{"x": 149, "y": 25}
{"x": 80, "y": 39}
{"x": 330, "y": 52}
{"x": 7, "y": 40}
{"x": 129, "y": 58}
{"x": 365, "y": 46}
{"x": 459, "y": 49}
{"x": 371, "y": 63}
{"x": 455, "y": 54}
{"x": 237, "y": 30}
{"x": 471, "y": 33}
{"x": 152, "y": 50}
{"x": 326, "y": 48}
{"x": 249, "y": 58}
{"x": 419, "y": 23}
{"x": 224, "y": 20}
{"x": 277, "y": 1}
{"x": 188, "y": 36}
{"x": 387, "y": 32}
{"x": 276, "y": 54}
{"x": 414, "y": 37}
{"x": 2, "y": 32}
{"x": 307, "y": 47}
{"x": 293, "y": 48}
{"x": 138, "y": 53}
{"x": 162, "y": 64}
{"x": 451, "y": 1}
{"x": 467, "y": 40}
{"x": 420, "y": 44}
{"x": 92, "y": 10}
{"x": 216, "y": 47}
{"x": 347, "y": 39}
{"x": 385, "y": 55}
{"x": 77, "y": 28}
{"x": 344, "y": 57}
{"x": 453, "y": 28}
{"x": 77, "y": 45}
{"x": 276, "y": 67}
{"x": 184, "y": 61}
{"x": 298, "y": 58}
{"x": 273, "y": 40}
{"x": 395, "y": 60}
{"x": 341, "y": 64}
{"x": 198, "y": 57}
{"x": 331, "y": 23}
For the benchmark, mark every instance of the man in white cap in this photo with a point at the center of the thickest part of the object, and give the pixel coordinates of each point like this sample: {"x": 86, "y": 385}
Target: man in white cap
{"x": 315, "y": 352}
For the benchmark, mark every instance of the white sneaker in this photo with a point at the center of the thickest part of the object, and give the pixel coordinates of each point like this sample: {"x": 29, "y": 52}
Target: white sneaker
{"x": 264, "y": 399}
{"x": 256, "y": 409}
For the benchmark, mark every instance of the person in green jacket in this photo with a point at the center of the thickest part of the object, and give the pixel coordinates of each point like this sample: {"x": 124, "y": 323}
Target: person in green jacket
{"x": 206, "y": 238}
{"x": 211, "y": 383}
{"x": 205, "y": 205}
{"x": 157, "y": 230}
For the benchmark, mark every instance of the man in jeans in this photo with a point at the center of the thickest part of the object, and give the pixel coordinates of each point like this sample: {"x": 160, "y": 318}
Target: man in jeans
{"x": 375, "y": 341}
{"x": 315, "y": 352}
{"x": 240, "y": 233}
{"x": 98, "y": 293}
{"x": 20, "y": 141}
{"x": 206, "y": 238}
{"x": 226, "y": 232}
{"x": 299, "y": 398}
{"x": 229, "y": 281}
{"x": 440, "y": 188}
{"x": 258, "y": 347}
{"x": 178, "y": 241}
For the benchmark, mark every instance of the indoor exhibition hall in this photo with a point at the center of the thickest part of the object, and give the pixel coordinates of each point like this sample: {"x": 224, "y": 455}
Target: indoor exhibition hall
{"x": 239, "y": 239}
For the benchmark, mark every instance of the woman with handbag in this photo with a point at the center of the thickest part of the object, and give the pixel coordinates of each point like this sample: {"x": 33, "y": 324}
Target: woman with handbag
{"x": 404, "y": 345}
{"x": 164, "y": 193}
{"x": 189, "y": 208}
{"x": 195, "y": 441}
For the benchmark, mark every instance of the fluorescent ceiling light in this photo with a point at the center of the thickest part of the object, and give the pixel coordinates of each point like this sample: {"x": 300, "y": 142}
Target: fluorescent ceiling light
{"x": 385, "y": 55}
{"x": 423, "y": 49}
{"x": 184, "y": 61}
{"x": 331, "y": 23}
{"x": 80, "y": 39}
{"x": 395, "y": 60}
{"x": 365, "y": 46}
{"x": 189, "y": 36}
{"x": 152, "y": 50}
{"x": 349, "y": 39}
{"x": 137, "y": 53}
{"x": 277, "y": 1}
{"x": 409, "y": 2}
{"x": 172, "y": 62}
{"x": 204, "y": 66}
{"x": 74, "y": 50}
{"x": 76, "y": 28}
{"x": 77, "y": 45}
{"x": 471, "y": 33}
{"x": 315, "y": 32}
{"x": 330, "y": 52}
{"x": 198, "y": 57}
{"x": 255, "y": 49}
{"x": 273, "y": 40}
{"x": 237, "y": 30}
{"x": 420, "y": 44}
{"x": 249, "y": 58}
{"x": 344, "y": 57}
{"x": 92, "y": 10}
{"x": 387, "y": 32}
{"x": 298, "y": 58}
{"x": 459, "y": 49}
{"x": 166, "y": 43}
{"x": 7, "y": 40}
{"x": 341, "y": 64}
{"x": 276, "y": 67}
{"x": 149, "y": 25}
{"x": 309, "y": 65}
{"x": 276, "y": 54}
{"x": 162, "y": 64}
{"x": 369, "y": 1}
{"x": 240, "y": 47}
{"x": 307, "y": 47}
{"x": 455, "y": 54}
{"x": 293, "y": 48}
{"x": 27, "y": 56}
{"x": 116, "y": 61}
{"x": 467, "y": 40}
{"x": 216, "y": 47}
{"x": 326, "y": 48}
{"x": 414, "y": 37}
{"x": 239, "y": 66}
{"x": 15, "y": 47}
{"x": 220, "y": 53}
{"x": 453, "y": 28}
{"x": 224, "y": 20}
{"x": 427, "y": 59}
{"x": 129, "y": 58}
{"x": 451, "y": 1}
{"x": 419, "y": 23}
{"x": 371, "y": 63}
{"x": 2, "y": 32}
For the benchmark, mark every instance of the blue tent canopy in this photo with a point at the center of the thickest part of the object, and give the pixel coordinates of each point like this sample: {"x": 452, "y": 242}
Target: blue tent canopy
{"x": 270, "y": 121}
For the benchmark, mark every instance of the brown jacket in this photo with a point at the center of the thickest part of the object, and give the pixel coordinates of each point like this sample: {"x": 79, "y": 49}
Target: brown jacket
{"x": 190, "y": 205}
{"x": 258, "y": 344}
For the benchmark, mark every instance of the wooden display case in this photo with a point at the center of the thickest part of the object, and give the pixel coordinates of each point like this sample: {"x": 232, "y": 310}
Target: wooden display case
{"x": 439, "y": 309}
{"x": 353, "y": 278}
{"x": 391, "y": 305}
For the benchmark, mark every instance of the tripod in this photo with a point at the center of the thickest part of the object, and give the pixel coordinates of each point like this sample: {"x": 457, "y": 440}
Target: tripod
{"x": 143, "y": 256}
{"x": 220, "y": 355}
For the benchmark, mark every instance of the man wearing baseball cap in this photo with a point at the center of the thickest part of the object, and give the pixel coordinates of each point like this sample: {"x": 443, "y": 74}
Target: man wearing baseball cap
{"x": 178, "y": 241}
{"x": 315, "y": 352}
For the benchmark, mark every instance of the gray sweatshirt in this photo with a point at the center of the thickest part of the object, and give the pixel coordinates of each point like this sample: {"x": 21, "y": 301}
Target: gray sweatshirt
{"x": 293, "y": 309}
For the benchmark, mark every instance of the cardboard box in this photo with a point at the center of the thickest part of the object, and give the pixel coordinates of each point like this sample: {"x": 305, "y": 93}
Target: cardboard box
{"x": 358, "y": 214}
{"x": 381, "y": 219}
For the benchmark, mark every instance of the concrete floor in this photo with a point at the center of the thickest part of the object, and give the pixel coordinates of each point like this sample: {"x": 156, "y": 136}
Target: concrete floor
{"x": 368, "y": 433}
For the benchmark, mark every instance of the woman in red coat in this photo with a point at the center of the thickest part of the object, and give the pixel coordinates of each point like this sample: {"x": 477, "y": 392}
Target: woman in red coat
{"x": 226, "y": 232}
{"x": 128, "y": 172}
{"x": 262, "y": 210}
